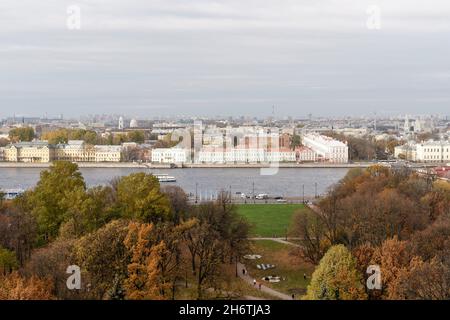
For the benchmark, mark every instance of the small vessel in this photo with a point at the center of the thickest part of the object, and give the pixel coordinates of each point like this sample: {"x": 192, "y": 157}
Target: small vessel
{"x": 162, "y": 177}
{"x": 11, "y": 194}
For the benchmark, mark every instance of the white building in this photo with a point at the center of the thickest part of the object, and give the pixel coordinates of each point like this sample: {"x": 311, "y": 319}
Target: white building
{"x": 305, "y": 154}
{"x": 169, "y": 155}
{"x": 121, "y": 127}
{"x": 281, "y": 155}
{"x": 433, "y": 151}
{"x": 248, "y": 155}
{"x": 134, "y": 123}
{"x": 407, "y": 152}
{"x": 326, "y": 148}
{"x": 211, "y": 155}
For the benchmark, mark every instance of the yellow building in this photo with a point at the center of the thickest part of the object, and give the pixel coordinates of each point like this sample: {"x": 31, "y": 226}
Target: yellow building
{"x": 28, "y": 152}
{"x": 108, "y": 153}
{"x": 74, "y": 151}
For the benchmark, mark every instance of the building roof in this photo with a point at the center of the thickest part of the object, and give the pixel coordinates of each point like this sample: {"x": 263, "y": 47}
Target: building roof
{"x": 435, "y": 143}
{"x": 31, "y": 144}
{"x": 327, "y": 141}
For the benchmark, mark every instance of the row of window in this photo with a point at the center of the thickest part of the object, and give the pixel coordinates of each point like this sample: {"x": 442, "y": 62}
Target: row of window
{"x": 435, "y": 150}
{"x": 435, "y": 157}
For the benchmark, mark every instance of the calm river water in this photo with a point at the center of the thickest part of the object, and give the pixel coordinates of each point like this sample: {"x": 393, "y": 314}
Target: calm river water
{"x": 287, "y": 182}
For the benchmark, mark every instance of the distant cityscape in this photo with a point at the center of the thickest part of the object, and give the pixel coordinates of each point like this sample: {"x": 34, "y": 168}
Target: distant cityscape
{"x": 227, "y": 141}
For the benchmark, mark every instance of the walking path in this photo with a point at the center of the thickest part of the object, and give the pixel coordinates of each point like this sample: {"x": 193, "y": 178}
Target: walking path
{"x": 247, "y": 278}
{"x": 279, "y": 240}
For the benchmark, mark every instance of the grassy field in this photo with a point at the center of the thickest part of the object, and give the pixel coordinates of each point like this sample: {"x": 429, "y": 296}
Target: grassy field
{"x": 288, "y": 266}
{"x": 269, "y": 220}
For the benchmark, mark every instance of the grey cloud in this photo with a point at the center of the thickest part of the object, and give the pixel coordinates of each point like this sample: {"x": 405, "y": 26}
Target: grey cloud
{"x": 223, "y": 57}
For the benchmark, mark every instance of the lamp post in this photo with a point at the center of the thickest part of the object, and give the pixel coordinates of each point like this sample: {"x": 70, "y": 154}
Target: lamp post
{"x": 196, "y": 192}
{"x": 253, "y": 193}
{"x": 303, "y": 190}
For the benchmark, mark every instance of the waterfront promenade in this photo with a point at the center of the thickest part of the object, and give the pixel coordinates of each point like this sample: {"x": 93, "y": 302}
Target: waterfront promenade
{"x": 189, "y": 165}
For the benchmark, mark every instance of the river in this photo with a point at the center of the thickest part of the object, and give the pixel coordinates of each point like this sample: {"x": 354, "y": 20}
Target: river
{"x": 288, "y": 182}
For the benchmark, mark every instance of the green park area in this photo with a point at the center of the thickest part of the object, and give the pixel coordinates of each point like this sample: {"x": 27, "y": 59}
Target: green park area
{"x": 269, "y": 220}
{"x": 293, "y": 271}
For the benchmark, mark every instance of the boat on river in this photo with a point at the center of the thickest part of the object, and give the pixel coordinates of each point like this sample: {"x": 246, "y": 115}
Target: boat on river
{"x": 162, "y": 177}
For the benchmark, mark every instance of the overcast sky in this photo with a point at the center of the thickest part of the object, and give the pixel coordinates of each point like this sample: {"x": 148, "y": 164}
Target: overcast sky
{"x": 234, "y": 57}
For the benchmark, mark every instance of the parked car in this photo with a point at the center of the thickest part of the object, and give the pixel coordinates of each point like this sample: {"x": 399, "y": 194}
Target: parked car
{"x": 262, "y": 196}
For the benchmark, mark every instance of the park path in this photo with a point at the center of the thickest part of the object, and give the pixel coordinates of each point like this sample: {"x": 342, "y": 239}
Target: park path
{"x": 247, "y": 278}
{"x": 279, "y": 240}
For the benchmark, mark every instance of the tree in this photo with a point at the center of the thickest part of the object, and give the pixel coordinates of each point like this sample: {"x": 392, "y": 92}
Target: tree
{"x": 104, "y": 258}
{"x": 310, "y": 228}
{"x": 363, "y": 148}
{"x": 133, "y": 154}
{"x": 434, "y": 241}
{"x": 296, "y": 141}
{"x": 144, "y": 279}
{"x": 139, "y": 197}
{"x": 168, "y": 142}
{"x": 21, "y": 134}
{"x": 372, "y": 206}
{"x": 171, "y": 257}
{"x": 178, "y": 200}
{"x": 424, "y": 281}
{"x": 207, "y": 254}
{"x": 90, "y": 137}
{"x": 8, "y": 261}
{"x": 87, "y": 211}
{"x": 437, "y": 200}
{"x": 2, "y": 198}
{"x": 393, "y": 257}
{"x": 64, "y": 135}
{"x": 156, "y": 259}
{"x": 3, "y": 142}
{"x": 49, "y": 200}
{"x": 219, "y": 235}
{"x": 137, "y": 136}
{"x": 56, "y": 136}
{"x": 336, "y": 277}
{"x": 15, "y": 287}
{"x": 18, "y": 231}
{"x": 51, "y": 262}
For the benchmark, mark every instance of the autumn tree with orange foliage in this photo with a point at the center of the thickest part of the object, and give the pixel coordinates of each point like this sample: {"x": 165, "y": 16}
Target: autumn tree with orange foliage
{"x": 394, "y": 258}
{"x": 392, "y": 218}
{"x": 144, "y": 275}
{"x": 15, "y": 287}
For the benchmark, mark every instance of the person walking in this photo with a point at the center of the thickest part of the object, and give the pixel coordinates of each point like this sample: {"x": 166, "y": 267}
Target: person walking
{"x": 243, "y": 271}
{"x": 260, "y": 285}
{"x": 254, "y": 282}
{"x": 293, "y": 296}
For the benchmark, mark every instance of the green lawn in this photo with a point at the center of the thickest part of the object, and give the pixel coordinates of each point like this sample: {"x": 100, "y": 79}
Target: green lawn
{"x": 289, "y": 266}
{"x": 269, "y": 220}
